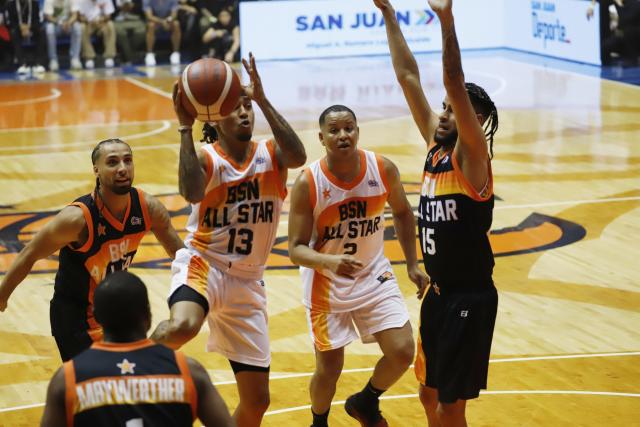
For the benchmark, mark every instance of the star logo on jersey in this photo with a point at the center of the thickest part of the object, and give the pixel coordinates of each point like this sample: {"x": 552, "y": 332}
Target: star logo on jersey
{"x": 102, "y": 230}
{"x": 126, "y": 367}
{"x": 436, "y": 288}
{"x": 326, "y": 193}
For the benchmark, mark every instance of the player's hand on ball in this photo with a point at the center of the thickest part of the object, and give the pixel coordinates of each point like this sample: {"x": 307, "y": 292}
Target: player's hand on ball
{"x": 184, "y": 118}
{"x": 419, "y": 277}
{"x": 254, "y": 90}
{"x": 344, "y": 265}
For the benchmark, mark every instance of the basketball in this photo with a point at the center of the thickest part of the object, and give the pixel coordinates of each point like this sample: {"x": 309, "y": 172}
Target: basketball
{"x": 210, "y": 89}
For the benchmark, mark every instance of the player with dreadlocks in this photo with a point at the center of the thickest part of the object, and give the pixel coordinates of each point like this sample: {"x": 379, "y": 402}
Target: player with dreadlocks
{"x": 97, "y": 234}
{"x": 455, "y": 213}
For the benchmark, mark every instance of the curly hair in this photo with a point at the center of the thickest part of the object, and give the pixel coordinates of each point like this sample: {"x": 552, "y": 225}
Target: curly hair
{"x": 483, "y": 104}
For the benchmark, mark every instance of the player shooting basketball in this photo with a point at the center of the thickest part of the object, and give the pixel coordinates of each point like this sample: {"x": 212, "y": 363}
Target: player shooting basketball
{"x": 236, "y": 187}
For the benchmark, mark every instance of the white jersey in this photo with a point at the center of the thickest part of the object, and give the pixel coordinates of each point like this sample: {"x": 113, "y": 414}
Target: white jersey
{"x": 348, "y": 218}
{"x": 234, "y": 226}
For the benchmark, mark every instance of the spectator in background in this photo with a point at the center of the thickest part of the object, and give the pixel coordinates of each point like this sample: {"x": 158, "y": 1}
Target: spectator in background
{"x": 222, "y": 38}
{"x": 619, "y": 31}
{"x": 96, "y": 19}
{"x": 61, "y": 17}
{"x": 23, "y": 19}
{"x": 162, "y": 16}
{"x": 130, "y": 28}
{"x": 188, "y": 15}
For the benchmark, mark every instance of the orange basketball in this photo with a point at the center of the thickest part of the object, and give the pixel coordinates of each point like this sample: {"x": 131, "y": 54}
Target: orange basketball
{"x": 210, "y": 89}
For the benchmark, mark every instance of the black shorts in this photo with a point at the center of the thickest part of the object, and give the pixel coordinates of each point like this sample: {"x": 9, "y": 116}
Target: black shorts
{"x": 456, "y": 330}
{"x": 69, "y": 327}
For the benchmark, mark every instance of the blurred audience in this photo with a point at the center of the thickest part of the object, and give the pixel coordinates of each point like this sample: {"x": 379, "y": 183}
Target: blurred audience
{"x": 130, "y": 29}
{"x": 222, "y": 37}
{"x": 96, "y": 19}
{"x": 162, "y": 17}
{"x": 23, "y": 21}
{"x": 61, "y": 18}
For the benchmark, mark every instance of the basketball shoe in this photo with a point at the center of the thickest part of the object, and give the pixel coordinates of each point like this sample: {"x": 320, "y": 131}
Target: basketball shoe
{"x": 367, "y": 413}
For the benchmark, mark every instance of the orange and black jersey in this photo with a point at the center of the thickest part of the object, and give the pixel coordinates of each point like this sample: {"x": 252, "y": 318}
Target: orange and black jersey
{"x": 132, "y": 384}
{"x": 454, "y": 221}
{"x": 110, "y": 246}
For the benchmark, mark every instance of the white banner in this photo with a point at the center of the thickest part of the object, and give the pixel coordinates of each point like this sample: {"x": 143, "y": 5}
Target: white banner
{"x": 316, "y": 29}
{"x": 336, "y": 28}
{"x": 557, "y": 28}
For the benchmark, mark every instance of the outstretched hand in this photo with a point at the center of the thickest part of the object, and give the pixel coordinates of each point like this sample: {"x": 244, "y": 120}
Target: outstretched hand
{"x": 440, "y": 6}
{"x": 184, "y": 118}
{"x": 420, "y": 278}
{"x": 254, "y": 90}
{"x": 382, "y": 4}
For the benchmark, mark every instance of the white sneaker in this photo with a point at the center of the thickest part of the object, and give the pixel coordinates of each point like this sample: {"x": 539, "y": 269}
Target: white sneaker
{"x": 175, "y": 58}
{"x": 76, "y": 64}
{"x": 53, "y": 65}
{"x": 150, "y": 60}
{"x": 89, "y": 64}
{"x": 108, "y": 63}
{"x": 38, "y": 69}
{"x": 23, "y": 69}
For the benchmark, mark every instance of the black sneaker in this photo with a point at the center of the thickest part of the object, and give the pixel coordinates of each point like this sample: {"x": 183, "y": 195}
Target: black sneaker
{"x": 368, "y": 416}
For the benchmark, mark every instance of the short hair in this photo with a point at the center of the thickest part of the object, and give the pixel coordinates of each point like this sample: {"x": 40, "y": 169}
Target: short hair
{"x": 336, "y": 109}
{"x": 95, "y": 154}
{"x": 483, "y": 104}
{"x": 121, "y": 303}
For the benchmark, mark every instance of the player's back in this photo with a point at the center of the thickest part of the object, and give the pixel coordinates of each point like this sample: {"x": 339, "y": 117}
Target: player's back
{"x": 129, "y": 384}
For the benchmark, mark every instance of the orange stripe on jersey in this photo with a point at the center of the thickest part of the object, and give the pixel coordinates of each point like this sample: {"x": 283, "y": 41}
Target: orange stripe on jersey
{"x": 338, "y": 182}
{"x": 145, "y": 210}
{"x": 469, "y": 190}
{"x": 247, "y": 160}
{"x": 382, "y": 172}
{"x": 89, "y": 220}
{"x": 420, "y": 364}
{"x": 447, "y": 183}
{"x": 320, "y": 328}
{"x": 320, "y": 294}
{"x": 313, "y": 195}
{"x": 191, "y": 393}
{"x": 107, "y": 214}
{"x": 70, "y": 398}
{"x": 330, "y": 216}
{"x": 119, "y": 347}
{"x": 197, "y": 274}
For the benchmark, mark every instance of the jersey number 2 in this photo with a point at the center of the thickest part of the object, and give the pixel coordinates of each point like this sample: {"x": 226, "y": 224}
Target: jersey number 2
{"x": 245, "y": 237}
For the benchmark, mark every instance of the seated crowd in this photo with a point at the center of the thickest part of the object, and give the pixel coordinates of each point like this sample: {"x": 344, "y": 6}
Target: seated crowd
{"x": 34, "y": 32}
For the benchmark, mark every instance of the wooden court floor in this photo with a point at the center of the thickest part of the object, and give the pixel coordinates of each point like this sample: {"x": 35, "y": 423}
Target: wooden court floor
{"x": 566, "y": 349}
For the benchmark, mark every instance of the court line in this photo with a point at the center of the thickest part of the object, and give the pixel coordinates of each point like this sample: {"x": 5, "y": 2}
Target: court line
{"x": 482, "y": 392}
{"x": 55, "y": 93}
{"x": 79, "y": 125}
{"x": 569, "y": 202}
{"x": 165, "y": 125}
{"x": 148, "y": 87}
{"x": 511, "y": 359}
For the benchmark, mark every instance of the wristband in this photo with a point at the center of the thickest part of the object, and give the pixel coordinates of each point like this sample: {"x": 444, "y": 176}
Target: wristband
{"x": 184, "y": 128}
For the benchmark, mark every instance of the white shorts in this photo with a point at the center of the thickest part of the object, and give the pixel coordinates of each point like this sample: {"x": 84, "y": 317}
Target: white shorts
{"x": 237, "y": 309}
{"x": 330, "y": 331}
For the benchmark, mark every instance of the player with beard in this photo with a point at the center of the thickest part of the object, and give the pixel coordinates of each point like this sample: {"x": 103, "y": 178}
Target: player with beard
{"x": 455, "y": 213}
{"x": 236, "y": 187}
{"x": 97, "y": 234}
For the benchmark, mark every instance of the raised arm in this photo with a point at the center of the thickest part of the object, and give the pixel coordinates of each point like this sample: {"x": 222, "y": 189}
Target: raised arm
{"x": 55, "y": 413}
{"x": 301, "y": 230}
{"x": 407, "y": 73}
{"x": 192, "y": 166}
{"x": 212, "y": 410}
{"x": 471, "y": 151}
{"x": 405, "y": 224}
{"x": 161, "y": 226}
{"x": 289, "y": 149}
{"x": 66, "y": 227}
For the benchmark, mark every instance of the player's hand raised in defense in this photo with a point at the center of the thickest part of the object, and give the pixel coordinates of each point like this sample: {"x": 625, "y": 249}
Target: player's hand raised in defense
{"x": 254, "y": 90}
{"x": 440, "y": 6}
{"x": 419, "y": 277}
{"x": 343, "y": 265}
{"x": 383, "y": 4}
{"x": 184, "y": 118}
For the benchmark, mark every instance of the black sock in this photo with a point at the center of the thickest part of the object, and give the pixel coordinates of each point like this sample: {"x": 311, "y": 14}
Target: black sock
{"x": 320, "y": 420}
{"x": 370, "y": 394}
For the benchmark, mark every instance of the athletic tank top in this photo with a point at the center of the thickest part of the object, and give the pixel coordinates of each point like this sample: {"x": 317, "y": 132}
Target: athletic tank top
{"x": 235, "y": 225}
{"x": 348, "y": 218}
{"x": 454, "y": 221}
{"x": 110, "y": 246}
{"x": 133, "y": 384}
